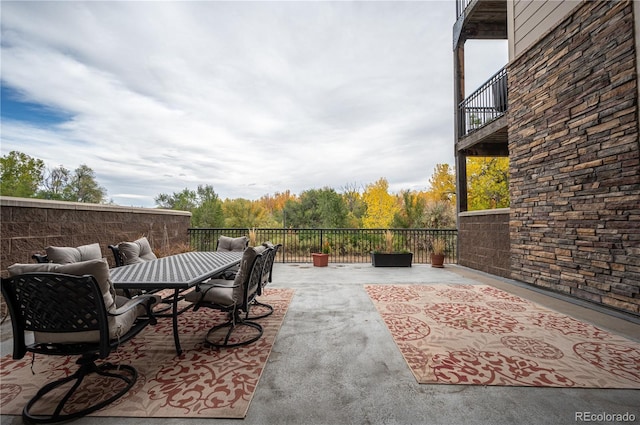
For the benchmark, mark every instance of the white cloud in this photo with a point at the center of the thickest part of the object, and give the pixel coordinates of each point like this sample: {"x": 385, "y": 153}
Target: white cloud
{"x": 250, "y": 97}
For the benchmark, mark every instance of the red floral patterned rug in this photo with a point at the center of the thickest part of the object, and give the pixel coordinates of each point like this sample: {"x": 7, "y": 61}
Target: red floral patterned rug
{"x": 480, "y": 335}
{"x": 200, "y": 383}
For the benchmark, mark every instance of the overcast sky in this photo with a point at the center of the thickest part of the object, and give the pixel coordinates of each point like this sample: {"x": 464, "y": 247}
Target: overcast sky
{"x": 252, "y": 98}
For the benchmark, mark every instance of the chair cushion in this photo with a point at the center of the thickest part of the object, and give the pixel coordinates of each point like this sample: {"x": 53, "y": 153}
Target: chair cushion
{"x": 215, "y": 291}
{"x": 67, "y": 254}
{"x": 226, "y": 243}
{"x": 97, "y": 268}
{"x": 225, "y": 292}
{"x": 138, "y": 251}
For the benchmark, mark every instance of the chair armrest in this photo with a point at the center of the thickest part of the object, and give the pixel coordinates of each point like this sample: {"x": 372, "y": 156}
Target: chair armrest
{"x": 147, "y": 300}
{"x": 215, "y": 283}
{"x": 208, "y": 285}
{"x": 40, "y": 258}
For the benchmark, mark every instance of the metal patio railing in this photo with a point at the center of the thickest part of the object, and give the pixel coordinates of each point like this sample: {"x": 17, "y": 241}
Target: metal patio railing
{"x": 484, "y": 105}
{"x": 347, "y": 245}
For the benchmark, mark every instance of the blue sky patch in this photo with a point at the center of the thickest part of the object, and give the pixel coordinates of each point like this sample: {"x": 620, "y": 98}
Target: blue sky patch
{"x": 13, "y": 108}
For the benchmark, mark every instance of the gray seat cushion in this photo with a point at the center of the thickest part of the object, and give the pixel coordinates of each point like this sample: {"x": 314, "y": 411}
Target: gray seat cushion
{"x": 225, "y": 292}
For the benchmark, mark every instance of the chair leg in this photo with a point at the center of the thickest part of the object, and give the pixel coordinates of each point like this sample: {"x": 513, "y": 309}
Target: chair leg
{"x": 265, "y": 310}
{"x": 234, "y": 323}
{"x": 127, "y": 374}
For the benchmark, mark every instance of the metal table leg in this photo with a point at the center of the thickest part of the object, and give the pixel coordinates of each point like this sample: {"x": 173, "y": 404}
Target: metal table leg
{"x": 174, "y": 317}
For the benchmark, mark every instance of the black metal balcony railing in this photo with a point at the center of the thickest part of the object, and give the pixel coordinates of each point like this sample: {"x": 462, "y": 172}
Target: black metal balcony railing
{"x": 347, "y": 245}
{"x": 485, "y": 105}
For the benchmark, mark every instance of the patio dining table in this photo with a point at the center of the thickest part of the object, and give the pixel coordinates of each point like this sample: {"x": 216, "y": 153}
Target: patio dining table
{"x": 178, "y": 272}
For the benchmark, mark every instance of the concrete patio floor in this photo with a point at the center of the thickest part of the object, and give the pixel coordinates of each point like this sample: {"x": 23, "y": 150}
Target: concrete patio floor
{"x": 334, "y": 361}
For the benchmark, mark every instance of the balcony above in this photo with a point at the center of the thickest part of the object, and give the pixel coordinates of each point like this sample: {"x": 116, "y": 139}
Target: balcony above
{"x": 480, "y": 19}
{"x": 482, "y": 120}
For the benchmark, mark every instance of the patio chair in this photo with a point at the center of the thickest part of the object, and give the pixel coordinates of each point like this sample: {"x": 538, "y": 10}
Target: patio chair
{"x": 233, "y": 298}
{"x": 138, "y": 251}
{"x": 267, "y": 271}
{"x": 72, "y": 311}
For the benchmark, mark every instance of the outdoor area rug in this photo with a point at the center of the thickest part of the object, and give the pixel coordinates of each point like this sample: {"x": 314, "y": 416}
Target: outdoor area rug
{"x": 479, "y": 335}
{"x": 201, "y": 383}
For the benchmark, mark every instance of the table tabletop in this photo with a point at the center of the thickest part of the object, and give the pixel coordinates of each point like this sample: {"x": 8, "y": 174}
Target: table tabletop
{"x": 179, "y": 271}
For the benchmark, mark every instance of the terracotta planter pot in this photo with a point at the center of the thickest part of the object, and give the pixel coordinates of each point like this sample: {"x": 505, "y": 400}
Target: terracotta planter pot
{"x": 320, "y": 260}
{"x": 437, "y": 260}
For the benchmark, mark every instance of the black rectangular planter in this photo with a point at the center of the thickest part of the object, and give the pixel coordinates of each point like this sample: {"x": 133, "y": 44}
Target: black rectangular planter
{"x": 400, "y": 259}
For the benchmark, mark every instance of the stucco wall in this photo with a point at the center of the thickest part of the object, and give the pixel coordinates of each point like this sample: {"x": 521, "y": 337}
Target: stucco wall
{"x": 575, "y": 159}
{"x": 29, "y": 225}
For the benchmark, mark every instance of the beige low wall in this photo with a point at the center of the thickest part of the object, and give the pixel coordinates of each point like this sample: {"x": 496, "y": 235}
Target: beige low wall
{"x": 29, "y": 225}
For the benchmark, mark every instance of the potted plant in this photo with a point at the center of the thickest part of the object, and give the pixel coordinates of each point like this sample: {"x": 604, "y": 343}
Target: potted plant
{"x": 321, "y": 259}
{"x": 438, "y": 247}
{"x": 390, "y": 258}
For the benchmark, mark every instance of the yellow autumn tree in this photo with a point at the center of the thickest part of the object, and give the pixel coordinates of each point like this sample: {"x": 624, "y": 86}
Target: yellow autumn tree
{"x": 487, "y": 182}
{"x": 277, "y": 201}
{"x": 381, "y": 206}
{"x": 442, "y": 184}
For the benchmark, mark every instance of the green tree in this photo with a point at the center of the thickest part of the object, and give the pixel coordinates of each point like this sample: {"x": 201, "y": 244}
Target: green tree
{"x": 186, "y": 200}
{"x": 208, "y": 212}
{"x": 54, "y": 184}
{"x": 356, "y": 207}
{"x": 204, "y": 204}
{"x": 381, "y": 206}
{"x": 83, "y": 187}
{"x": 317, "y": 208}
{"x": 411, "y": 211}
{"x": 488, "y": 182}
{"x": 20, "y": 174}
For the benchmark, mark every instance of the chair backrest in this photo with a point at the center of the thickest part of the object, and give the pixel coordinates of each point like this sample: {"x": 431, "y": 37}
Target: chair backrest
{"x": 225, "y": 243}
{"x": 248, "y": 278}
{"x": 119, "y": 261}
{"x": 55, "y": 303}
{"x": 138, "y": 251}
{"x": 267, "y": 255}
{"x": 70, "y": 254}
{"x": 268, "y": 264}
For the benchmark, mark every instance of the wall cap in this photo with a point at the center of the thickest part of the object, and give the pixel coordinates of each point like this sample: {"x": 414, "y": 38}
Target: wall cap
{"x": 495, "y": 211}
{"x": 9, "y": 201}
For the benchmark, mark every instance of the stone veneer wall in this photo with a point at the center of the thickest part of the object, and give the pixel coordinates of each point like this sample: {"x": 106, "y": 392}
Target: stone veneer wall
{"x": 574, "y": 159}
{"x": 483, "y": 241}
{"x": 29, "y": 225}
